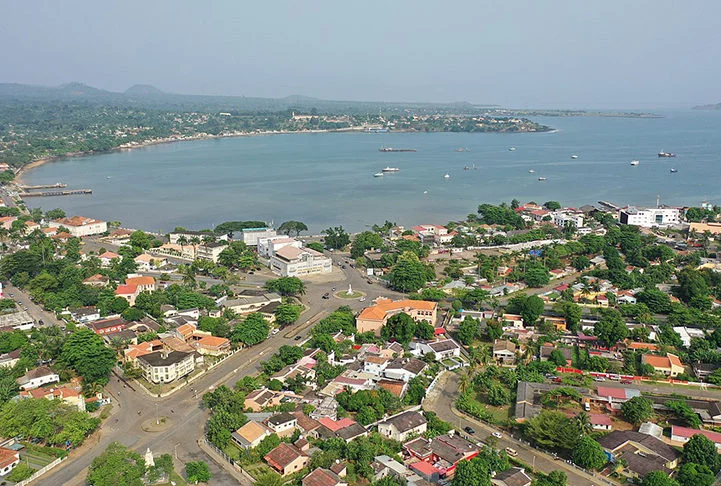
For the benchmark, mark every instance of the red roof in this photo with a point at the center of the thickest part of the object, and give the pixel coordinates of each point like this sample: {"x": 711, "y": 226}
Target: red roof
{"x": 605, "y": 391}
{"x": 438, "y": 331}
{"x": 336, "y": 425}
{"x": 425, "y": 468}
{"x": 688, "y": 433}
{"x": 600, "y": 419}
{"x": 126, "y": 289}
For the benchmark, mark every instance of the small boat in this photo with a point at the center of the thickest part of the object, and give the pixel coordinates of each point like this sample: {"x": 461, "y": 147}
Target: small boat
{"x": 447, "y": 176}
{"x": 542, "y": 178}
{"x": 391, "y": 149}
{"x": 466, "y": 168}
{"x": 474, "y": 167}
{"x": 635, "y": 162}
{"x": 531, "y": 171}
{"x": 666, "y": 154}
{"x": 512, "y": 149}
{"x": 107, "y": 177}
{"x": 673, "y": 171}
{"x": 459, "y": 149}
{"x": 378, "y": 174}
{"x": 391, "y": 169}
{"x": 425, "y": 192}
{"x": 574, "y": 156}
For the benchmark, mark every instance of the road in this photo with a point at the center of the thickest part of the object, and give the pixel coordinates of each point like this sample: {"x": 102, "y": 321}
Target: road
{"x": 185, "y": 417}
{"x": 441, "y": 401}
{"x": 24, "y": 302}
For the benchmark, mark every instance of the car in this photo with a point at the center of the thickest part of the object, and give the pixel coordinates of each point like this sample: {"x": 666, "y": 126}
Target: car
{"x": 297, "y": 338}
{"x": 275, "y": 331}
{"x": 333, "y": 289}
{"x": 370, "y": 282}
{"x": 511, "y": 452}
{"x": 497, "y": 435}
{"x": 326, "y": 295}
{"x": 362, "y": 299}
{"x": 598, "y": 378}
{"x": 626, "y": 382}
{"x": 469, "y": 430}
{"x": 343, "y": 267}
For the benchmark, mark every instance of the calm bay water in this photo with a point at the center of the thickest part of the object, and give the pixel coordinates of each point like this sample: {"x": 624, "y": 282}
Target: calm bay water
{"x": 327, "y": 179}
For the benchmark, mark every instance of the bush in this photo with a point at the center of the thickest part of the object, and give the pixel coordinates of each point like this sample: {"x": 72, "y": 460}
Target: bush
{"x": 21, "y": 472}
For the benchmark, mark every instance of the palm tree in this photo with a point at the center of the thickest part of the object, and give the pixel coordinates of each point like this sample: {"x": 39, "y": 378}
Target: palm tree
{"x": 464, "y": 382}
{"x": 269, "y": 479}
{"x": 118, "y": 344}
{"x": 182, "y": 240}
{"x": 583, "y": 422}
{"x": 188, "y": 273}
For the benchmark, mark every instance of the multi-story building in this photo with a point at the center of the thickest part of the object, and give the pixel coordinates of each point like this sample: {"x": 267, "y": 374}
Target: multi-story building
{"x": 373, "y": 318}
{"x": 251, "y": 236}
{"x": 290, "y": 261}
{"x": 561, "y": 218}
{"x": 166, "y": 366}
{"x": 211, "y": 251}
{"x": 268, "y": 246}
{"x": 649, "y": 217}
{"x": 79, "y": 226}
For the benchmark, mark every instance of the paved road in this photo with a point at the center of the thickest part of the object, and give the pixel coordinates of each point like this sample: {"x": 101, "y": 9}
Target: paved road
{"x": 441, "y": 401}
{"x": 24, "y": 302}
{"x": 185, "y": 416}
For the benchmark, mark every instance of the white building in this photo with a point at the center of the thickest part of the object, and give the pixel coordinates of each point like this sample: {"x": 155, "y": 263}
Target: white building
{"x": 400, "y": 427}
{"x": 560, "y": 218}
{"x": 649, "y": 217}
{"x": 251, "y": 236}
{"x": 211, "y": 251}
{"x": 290, "y": 261}
{"x": 165, "y": 367}
{"x": 38, "y": 377}
{"x": 79, "y": 226}
{"x": 268, "y": 246}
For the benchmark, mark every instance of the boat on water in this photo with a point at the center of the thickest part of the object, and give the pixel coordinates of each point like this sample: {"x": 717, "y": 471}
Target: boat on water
{"x": 574, "y": 156}
{"x": 635, "y": 162}
{"x": 466, "y": 168}
{"x": 666, "y": 154}
{"x": 391, "y": 149}
{"x": 531, "y": 171}
{"x": 542, "y": 178}
{"x": 447, "y": 176}
{"x": 378, "y": 174}
{"x": 391, "y": 169}
{"x": 512, "y": 149}
{"x": 673, "y": 171}
{"x": 474, "y": 167}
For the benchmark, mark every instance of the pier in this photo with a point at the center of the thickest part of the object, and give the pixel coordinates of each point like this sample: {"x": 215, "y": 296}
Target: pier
{"x": 609, "y": 205}
{"x": 44, "y": 186}
{"x": 71, "y": 192}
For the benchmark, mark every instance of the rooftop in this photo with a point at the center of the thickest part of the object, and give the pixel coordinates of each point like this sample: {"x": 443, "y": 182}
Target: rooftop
{"x": 384, "y": 306}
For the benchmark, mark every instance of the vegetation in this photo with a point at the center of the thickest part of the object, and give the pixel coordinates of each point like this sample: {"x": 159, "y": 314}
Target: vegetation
{"x": 197, "y": 472}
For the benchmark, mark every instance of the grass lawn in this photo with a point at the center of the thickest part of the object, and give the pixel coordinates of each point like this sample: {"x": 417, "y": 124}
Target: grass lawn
{"x": 258, "y": 469}
{"x": 232, "y": 451}
{"x": 177, "y": 479}
{"x": 36, "y": 460}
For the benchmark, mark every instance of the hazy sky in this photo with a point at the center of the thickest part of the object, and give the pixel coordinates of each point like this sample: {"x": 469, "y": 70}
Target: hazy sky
{"x": 535, "y": 53}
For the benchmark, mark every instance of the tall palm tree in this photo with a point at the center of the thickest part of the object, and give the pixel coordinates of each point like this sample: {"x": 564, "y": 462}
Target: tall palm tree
{"x": 463, "y": 383}
{"x": 583, "y": 422}
{"x": 182, "y": 240}
{"x": 188, "y": 273}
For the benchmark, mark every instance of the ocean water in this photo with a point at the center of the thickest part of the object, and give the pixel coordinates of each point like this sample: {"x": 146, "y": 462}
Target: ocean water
{"x": 327, "y": 179}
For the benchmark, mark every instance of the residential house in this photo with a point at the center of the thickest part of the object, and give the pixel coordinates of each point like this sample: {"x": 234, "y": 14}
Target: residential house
{"x": 106, "y": 259}
{"x": 79, "y": 226}
{"x": 404, "y": 369}
{"x": 283, "y": 424}
{"x": 504, "y": 351}
{"x": 251, "y": 434}
{"x": 400, "y": 427}
{"x": 206, "y": 343}
{"x": 323, "y": 477}
{"x": 287, "y": 459}
{"x": 111, "y": 325}
{"x": 134, "y": 285}
{"x": 42, "y": 375}
{"x": 558, "y": 323}
{"x": 290, "y": 261}
{"x": 600, "y": 421}
{"x": 669, "y": 365}
{"x": 515, "y": 476}
{"x": 64, "y": 394}
{"x": 396, "y": 387}
{"x": 9, "y": 360}
{"x": 97, "y": 280}
{"x": 251, "y": 301}
{"x": 147, "y": 262}
{"x": 184, "y": 252}
{"x": 684, "y": 434}
{"x": 434, "y": 234}
{"x": 641, "y": 453}
{"x": 9, "y": 458}
{"x": 375, "y": 365}
{"x": 384, "y": 466}
{"x": 613, "y": 397}
{"x": 512, "y": 320}
{"x": 166, "y": 366}
{"x": 442, "y": 349}
{"x": 649, "y": 217}
{"x": 373, "y": 318}
{"x": 85, "y": 315}
{"x": 444, "y": 452}
{"x": 262, "y": 398}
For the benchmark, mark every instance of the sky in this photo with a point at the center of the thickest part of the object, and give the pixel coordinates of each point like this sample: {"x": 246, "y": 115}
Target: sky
{"x": 521, "y": 54}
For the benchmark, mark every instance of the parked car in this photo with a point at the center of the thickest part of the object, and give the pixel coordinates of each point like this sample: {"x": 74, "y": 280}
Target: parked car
{"x": 626, "y": 382}
{"x": 598, "y": 378}
{"x": 275, "y": 331}
{"x": 298, "y": 338}
{"x": 362, "y": 299}
{"x": 469, "y": 430}
{"x": 511, "y": 452}
{"x": 497, "y": 435}
{"x": 326, "y": 295}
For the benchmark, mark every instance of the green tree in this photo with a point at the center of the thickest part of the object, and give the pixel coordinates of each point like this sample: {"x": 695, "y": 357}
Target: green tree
{"x": 400, "y": 327}
{"x": 658, "y": 478}
{"x": 286, "y": 286}
{"x": 408, "y": 274}
{"x": 197, "y": 472}
{"x": 536, "y": 276}
{"x": 637, "y": 410}
{"x": 314, "y": 245}
{"x": 498, "y": 395}
{"x": 87, "y": 354}
{"x": 589, "y": 454}
{"x": 701, "y": 450}
{"x": 56, "y": 213}
{"x": 424, "y": 330}
{"x": 364, "y": 241}
{"x": 552, "y": 429}
{"x": 530, "y": 307}
{"x": 292, "y": 228}
{"x": 684, "y": 413}
{"x": 287, "y": 313}
{"x": 554, "y": 478}
{"x": 611, "y": 328}
{"x": 557, "y": 358}
{"x": 117, "y": 466}
{"x": 252, "y": 330}
{"x": 468, "y": 330}
{"x": 471, "y": 473}
{"x": 691, "y": 474}
{"x": 552, "y": 205}
{"x": 336, "y": 238}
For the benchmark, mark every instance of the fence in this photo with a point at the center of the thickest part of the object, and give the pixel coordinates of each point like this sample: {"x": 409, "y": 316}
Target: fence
{"x": 236, "y": 470}
{"x": 40, "y": 472}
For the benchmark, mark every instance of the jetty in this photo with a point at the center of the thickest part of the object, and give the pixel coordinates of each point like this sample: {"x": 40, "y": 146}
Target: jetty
{"x": 609, "y": 205}
{"x": 57, "y": 185}
{"x": 70, "y": 192}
